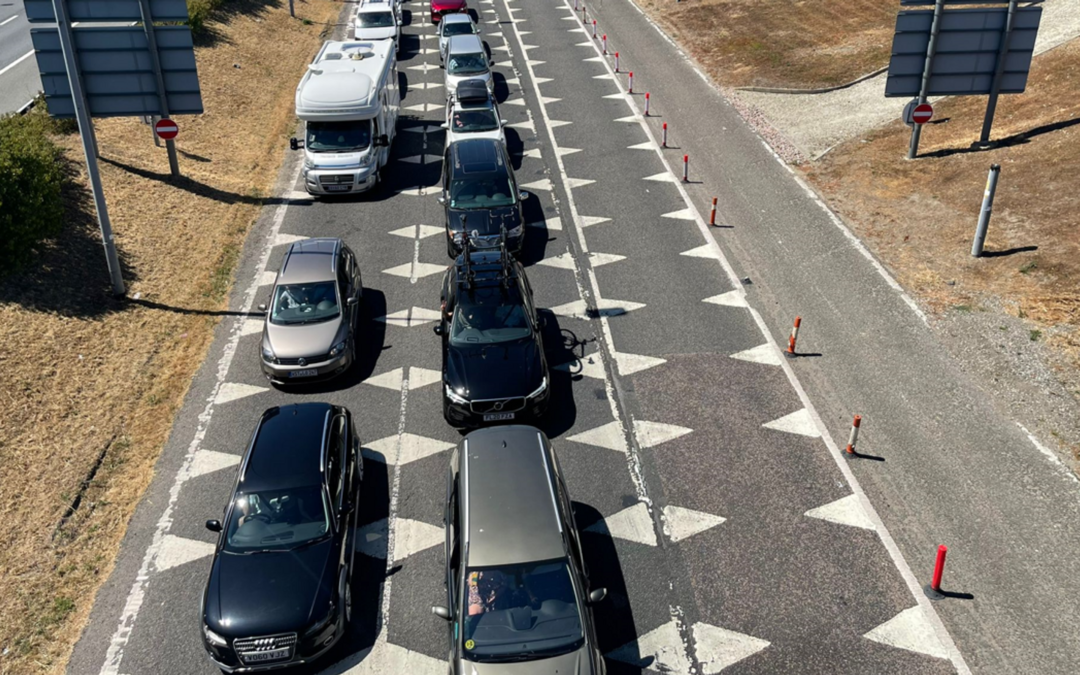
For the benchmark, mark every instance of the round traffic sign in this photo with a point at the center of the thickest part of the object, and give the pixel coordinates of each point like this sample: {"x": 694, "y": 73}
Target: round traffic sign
{"x": 922, "y": 113}
{"x": 167, "y": 129}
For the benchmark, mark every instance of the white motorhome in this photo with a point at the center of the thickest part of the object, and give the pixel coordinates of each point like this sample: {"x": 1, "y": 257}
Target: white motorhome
{"x": 349, "y": 102}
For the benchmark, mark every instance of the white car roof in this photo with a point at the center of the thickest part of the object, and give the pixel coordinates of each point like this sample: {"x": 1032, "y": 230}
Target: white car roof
{"x": 457, "y": 18}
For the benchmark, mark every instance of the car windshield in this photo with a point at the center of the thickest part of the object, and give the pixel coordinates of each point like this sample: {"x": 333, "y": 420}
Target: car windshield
{"x": 467, "y": 64}
{"x": 276, "y": 520}
{"x": 304, "y": 303}
{"x": 375, "y": 20}
{"x": 457, "y": 28}
{"x": 489, "y": 315}
{"x": 338, "y": 136}
{"x": 481, "y": 193}
{"x": 520, "y": 611}
{"x": 475, "y": 119}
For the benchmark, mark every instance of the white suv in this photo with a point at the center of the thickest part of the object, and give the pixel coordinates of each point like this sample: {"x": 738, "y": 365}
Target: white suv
{"x": 378, "y": 20}
{"x": 471, "y": 112}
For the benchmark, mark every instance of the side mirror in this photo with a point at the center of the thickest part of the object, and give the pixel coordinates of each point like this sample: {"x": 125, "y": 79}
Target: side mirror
{"x": 502, "y": 122}
{"x": 442, "y": 64}
{"x": 213, "y": 525}
{"x": 444, "y": 125}
{"x": 382, "y": 141}
{"x": 438, "y": 329}
{"x": 522, "y": 195}
{"x": 294, "y": 144}
{"x": 262, "y": 307}
{"x": 352, "y": 301}
{"x": 597, "y": 595}
{"x": 442, "y": 200}
{"x": 441, "y": 612}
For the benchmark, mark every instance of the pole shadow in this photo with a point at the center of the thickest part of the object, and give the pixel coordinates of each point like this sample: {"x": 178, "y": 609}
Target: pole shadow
{"x": 1008, "y": 251}
{"x": 1007, "y": 142}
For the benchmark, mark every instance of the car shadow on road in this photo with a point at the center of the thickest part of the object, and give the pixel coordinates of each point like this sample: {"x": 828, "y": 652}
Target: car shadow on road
{"x": 502, "y": 87}
{"x": 369, "y": 572}
{"x": 537, "y": 234}
{"x": 560, "y": 346}
{"x": 614, "y": 616}
{"x": 515, "y": 147}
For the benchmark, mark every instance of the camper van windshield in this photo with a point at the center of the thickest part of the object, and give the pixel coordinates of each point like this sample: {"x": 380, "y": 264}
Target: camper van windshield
{"x": 375, "y": 19}
{"x": 467, "y": 64}
{"x": 338, "y": 136}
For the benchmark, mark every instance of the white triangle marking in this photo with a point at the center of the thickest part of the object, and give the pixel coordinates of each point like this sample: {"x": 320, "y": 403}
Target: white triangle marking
{"x": 650, "y": 434}
{"x": 410, "y": 231}
{"x": 209, "y": 461}
{"x": 661, "y": 649}
{"x": 176, "y": 551}
{"x": 563, "y": 261}
{"x": 717, "y": 648}
{"x": 609, "y": 436}
{"x": 422, "y": 377}
{"x": 577, "y": 309}
{"x": 729, "y": 299}
{"x": 514, "y": 101}
{"x": 798, "y": 422}
{"x": 550, "y": 224}
{"x": 424, "y": 107}
{"x": 562, "y": 152}
{"x": 527, "y": 124}
{"x": 909, "y": 630}
{"x": 542, "y": 184}
{"x": 298, "y": 195}
{"x": 844, "y": 511}
{"x": 410, "y": 536}
{"x": 413, "y": 447}
{"x": 407, "y": 318}
{"x": 391, "y": 379}
{"x": 632, "y": 524}
{"x": 586, "y": 221}
{"x": 555, "y": 124}
{"x": 591, "y": 366}
{"x": 234, "y": 391}
{"x": 579, "y": 182}
{"x": 587, "y": 43}
{"x": 534, "y": 153}
{"x": 600, "y": 259}
{"x": 647, "y": 145}
{"x": 595, "y": 59}
{"x": 600, "y": 77}
{"x": 635, "y": 363}
{"x": 418, "y": 270}
{"x": 704, "y": 251}
{"x": 684, "y": 523}
{"x": 684, "y": 214}
{"x": 616, "y": 96}
{"x": 251, "y": 326}
{"x": 542, "y": 80}
{"x": 764, "y": 354}
{"x": 421, "y": 159}
{"x": 535, "y": 63}
{"x": 283, "y": 238}
{"x": 631, "y": 118}
{"x": 383, "y": 657}
{"x": 662, "y": 177}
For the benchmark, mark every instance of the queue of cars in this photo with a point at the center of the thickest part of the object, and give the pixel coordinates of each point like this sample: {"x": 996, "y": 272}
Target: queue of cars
{"x": 279, "y": 591}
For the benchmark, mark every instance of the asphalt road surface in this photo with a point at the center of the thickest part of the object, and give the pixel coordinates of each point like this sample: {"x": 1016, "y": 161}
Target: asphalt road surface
{"x": 19, "y": 81}
{"x": 726, "y": 523}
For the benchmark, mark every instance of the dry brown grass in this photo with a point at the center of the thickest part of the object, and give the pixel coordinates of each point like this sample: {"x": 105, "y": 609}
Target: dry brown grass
{"x": 89, "y": 381}
{"x": 919, "y": 217}
{"x": 781, "y": 43}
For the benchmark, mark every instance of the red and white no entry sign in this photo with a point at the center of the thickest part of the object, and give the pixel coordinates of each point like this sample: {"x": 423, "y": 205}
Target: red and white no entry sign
{"x": 167, "y": 129}
{"x": 922, "y": 113}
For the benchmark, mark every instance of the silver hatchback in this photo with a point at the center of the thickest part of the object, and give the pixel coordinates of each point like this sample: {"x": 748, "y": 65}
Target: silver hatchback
{"x": 309, "y": 330}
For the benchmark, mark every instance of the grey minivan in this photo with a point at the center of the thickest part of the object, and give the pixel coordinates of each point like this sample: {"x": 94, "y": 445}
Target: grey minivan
{"x": 308, "y": 333}
{"x": 466, "y": 59}
{"x": 518, "y": 596}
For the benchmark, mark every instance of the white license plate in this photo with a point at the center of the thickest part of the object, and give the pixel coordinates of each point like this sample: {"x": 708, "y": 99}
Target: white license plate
{"x": 311, "y": 372}
{"x": 498, "y": 417}
{"x": 338, "y": 188}
{"x": 272, "y": 655}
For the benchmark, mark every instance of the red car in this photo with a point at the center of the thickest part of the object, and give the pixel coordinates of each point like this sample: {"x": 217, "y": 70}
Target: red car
{"x": 440, "y": 7}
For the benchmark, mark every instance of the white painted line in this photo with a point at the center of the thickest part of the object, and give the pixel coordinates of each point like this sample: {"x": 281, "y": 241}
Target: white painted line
{"x": 844, "y": 511}
{"x": 1049, "y": 454}
{"x": 798, "y": 422}
{"x": 628, "y": 364}
{"x": 688, "y": 214}
{"x": 662, "y": 177}
{"x": 412, "y": 447}
{"x": 660, "y": 650}
{"x": 591, "y": 366}
{"x": 17, "y": 61}
{"x": 730, "y": 299}
{"x": 586, "y": 221}
{"x": 176, "y": 551}
{"x": 137, "y": 594}
{"x": 267, "y": 278}
{"x": 283, "y": 239}
{"x": 764, "y": 354}
{"x": 407, "y": 318}
{"x": 910, "y": 630}
{"x": 577, "y": 182}
{"x": 717, "y": 648}
{"x": 411, "y": 536}
{"x": 425, "y": 231}
{"x": 578, "y": 309}
{"x": 610, "y": 436}
{"x": 209, "y": 461}
{"x": 234, "y": 391}
{"x": 251, "y": 327}
{"x": 415, "y": 270}
{"x": 632, "y": 524}
{"x": 542, "y": 184}
{"x": 680, "y": 523}
{"x": 651, "y": 434}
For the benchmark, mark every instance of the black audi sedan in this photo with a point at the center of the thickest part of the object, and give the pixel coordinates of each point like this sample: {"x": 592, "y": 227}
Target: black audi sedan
{"x": 494, "y": 367}
{"x": 480, "y": 195}
{"x": 279, "y": 592}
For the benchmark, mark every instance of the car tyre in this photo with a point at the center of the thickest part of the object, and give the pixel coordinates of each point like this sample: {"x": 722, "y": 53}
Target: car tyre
{"x": 450, "y": 250}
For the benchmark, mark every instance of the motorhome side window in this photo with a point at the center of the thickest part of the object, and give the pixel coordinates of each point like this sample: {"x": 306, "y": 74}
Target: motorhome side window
{"x": 351, "y": 136}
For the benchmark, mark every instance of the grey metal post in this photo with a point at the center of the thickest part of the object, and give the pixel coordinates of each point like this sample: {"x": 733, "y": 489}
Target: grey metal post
{"x": 999, "y": 73}
{"x": 86, "y": 133}
{"x": 155, "y": 63}
{"x": 987, "y": 208}
{"x": 931, "y": 49}
{"x": 153, "y": 121}
{"x": 292, "y": 10}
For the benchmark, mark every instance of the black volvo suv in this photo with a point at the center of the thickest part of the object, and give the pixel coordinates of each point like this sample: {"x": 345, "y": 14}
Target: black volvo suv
{"x": 279, "y": 590}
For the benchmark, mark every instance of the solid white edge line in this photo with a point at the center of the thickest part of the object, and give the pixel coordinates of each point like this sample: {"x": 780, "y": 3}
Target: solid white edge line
{"x": 17, "y": 61}
{"x": 916, "y": 590}
{"x": 115, "y": 653}
{"x": 1050, "y": 455}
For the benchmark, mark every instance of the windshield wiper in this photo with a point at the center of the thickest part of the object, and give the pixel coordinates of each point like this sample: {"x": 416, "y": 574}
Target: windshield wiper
{"x": 309, "y": 542}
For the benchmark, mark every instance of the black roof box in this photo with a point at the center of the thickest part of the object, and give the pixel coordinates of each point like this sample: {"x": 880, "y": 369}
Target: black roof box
{"x": 472, "y": 90}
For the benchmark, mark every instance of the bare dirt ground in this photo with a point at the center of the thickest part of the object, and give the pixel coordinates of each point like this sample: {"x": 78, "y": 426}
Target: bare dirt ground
{"x": 800, "y": 44}
{"x": 91, "y": 384}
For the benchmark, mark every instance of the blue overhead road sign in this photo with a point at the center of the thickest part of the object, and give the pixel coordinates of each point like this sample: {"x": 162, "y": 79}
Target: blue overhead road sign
{"x": 41, "y": 11}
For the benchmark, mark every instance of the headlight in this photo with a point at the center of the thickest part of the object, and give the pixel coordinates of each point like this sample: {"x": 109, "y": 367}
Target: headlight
{"x": 320, "y": 625}
{"x": 455, "y": 396}
{"x": 337, "y": 349}
{"x": 541, "y": 389}
{"x": 213, "y": 638}
{"x": 268, "y": 354}
{"x": 309, "y": 163}
{"x": 367, "y": 159}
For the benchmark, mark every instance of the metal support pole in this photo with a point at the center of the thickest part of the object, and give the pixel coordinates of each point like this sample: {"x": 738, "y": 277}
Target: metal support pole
{"x": 153, "y": 121}
{"x": 987, "y": 209}
{"x": 999, "y": 73}
{"x": 155, "y": 63}
{"x": 86, "y": 133}
{"x": 292, "y": 10}
{"x": 931, "y": 49}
